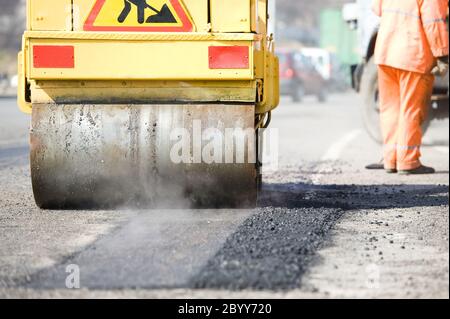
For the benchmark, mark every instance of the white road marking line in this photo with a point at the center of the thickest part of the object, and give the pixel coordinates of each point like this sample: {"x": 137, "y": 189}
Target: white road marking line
{"x": 333, "y": 154}
{"x": 335, "y": 151}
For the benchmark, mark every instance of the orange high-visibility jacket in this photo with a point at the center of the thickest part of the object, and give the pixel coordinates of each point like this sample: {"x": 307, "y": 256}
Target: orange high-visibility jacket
{"x": 413, "y": 33}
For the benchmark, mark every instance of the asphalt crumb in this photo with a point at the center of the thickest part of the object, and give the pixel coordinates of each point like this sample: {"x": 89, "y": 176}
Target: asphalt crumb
{"x": 270, "y": 251}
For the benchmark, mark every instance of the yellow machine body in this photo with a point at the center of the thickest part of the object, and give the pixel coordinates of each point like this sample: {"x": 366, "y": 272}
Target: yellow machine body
{"x": 169, "y": 62}
{"x": 108, "y": 81}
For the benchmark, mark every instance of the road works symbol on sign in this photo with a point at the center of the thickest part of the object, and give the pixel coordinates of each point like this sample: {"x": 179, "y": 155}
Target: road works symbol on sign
{"x": 139, "y": 16}
{"x": 162, "y": 16}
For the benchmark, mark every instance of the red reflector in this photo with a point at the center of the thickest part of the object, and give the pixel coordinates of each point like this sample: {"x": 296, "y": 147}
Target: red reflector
{"x": 53, "y": 56}
{"x": 289, "y": 73}
{"x": 229, "y": 57}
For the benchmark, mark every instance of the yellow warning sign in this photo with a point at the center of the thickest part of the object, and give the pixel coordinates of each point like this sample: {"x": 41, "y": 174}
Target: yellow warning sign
{"x": 139, "y": 16}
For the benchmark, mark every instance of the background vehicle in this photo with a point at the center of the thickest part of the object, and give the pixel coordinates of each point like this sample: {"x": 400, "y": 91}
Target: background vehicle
{"x": 3, "y": 83}
{"x": 13, "y": 82}
{"x": 359, "y": 15}
{"x": 327, "y": 63}
{"x": 322, "y": 59}
{"x": 299, "y": 77}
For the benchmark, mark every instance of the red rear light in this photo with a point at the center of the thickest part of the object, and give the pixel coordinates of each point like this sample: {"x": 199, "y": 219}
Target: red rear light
{"x": 289, "y": 73}
{"x": 54, "y": 56}
{"x": 229, "y": 57}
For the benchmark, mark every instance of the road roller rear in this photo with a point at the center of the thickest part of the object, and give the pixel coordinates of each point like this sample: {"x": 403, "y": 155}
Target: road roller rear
{"x": 149, "y": 103}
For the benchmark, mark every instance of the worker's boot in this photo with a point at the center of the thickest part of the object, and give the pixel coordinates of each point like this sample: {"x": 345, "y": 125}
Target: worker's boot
{"x": 376, "y": 166}
{"x": 391, "y": 170}
{"x": 421, "y": 170}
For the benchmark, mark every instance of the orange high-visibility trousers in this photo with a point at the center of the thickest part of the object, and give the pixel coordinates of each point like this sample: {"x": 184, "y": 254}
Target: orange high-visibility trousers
{"x": 404, "y": 102}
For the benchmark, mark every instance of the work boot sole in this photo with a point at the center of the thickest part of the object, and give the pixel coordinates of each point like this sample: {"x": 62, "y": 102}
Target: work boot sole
{"x": 375, "y": 167}
{"x": 422, "y": 170}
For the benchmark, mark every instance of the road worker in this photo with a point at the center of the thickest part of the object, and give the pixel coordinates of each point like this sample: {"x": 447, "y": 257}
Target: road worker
{"x": 412, "y": 47}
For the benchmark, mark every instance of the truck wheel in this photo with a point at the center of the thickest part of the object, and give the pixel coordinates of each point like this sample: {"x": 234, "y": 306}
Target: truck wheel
{"x": 371, "y": 109}
{"x": 298, "y": 94}
{"x": 322, "y": 96}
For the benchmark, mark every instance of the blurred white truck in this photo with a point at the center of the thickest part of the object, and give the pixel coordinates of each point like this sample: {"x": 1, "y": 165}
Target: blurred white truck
{"x": 360, "y": 17}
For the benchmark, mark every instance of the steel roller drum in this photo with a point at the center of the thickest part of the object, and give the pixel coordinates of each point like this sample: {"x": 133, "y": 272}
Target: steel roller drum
{"x": 105, "y": 156}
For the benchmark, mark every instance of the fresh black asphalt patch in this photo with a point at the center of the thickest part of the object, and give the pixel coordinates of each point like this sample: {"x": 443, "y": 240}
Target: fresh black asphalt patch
{"x": 270, "y": 250}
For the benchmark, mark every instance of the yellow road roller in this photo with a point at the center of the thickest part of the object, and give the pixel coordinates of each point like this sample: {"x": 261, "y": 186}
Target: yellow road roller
{"x": 147, "y": 103}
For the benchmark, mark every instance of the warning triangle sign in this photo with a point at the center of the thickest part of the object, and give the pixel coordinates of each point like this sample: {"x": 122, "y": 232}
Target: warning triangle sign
{"x": 139, "y": 16}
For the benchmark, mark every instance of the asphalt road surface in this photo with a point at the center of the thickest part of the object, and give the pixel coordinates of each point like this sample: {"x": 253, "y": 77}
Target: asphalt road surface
{"x": 325, "y": 227}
